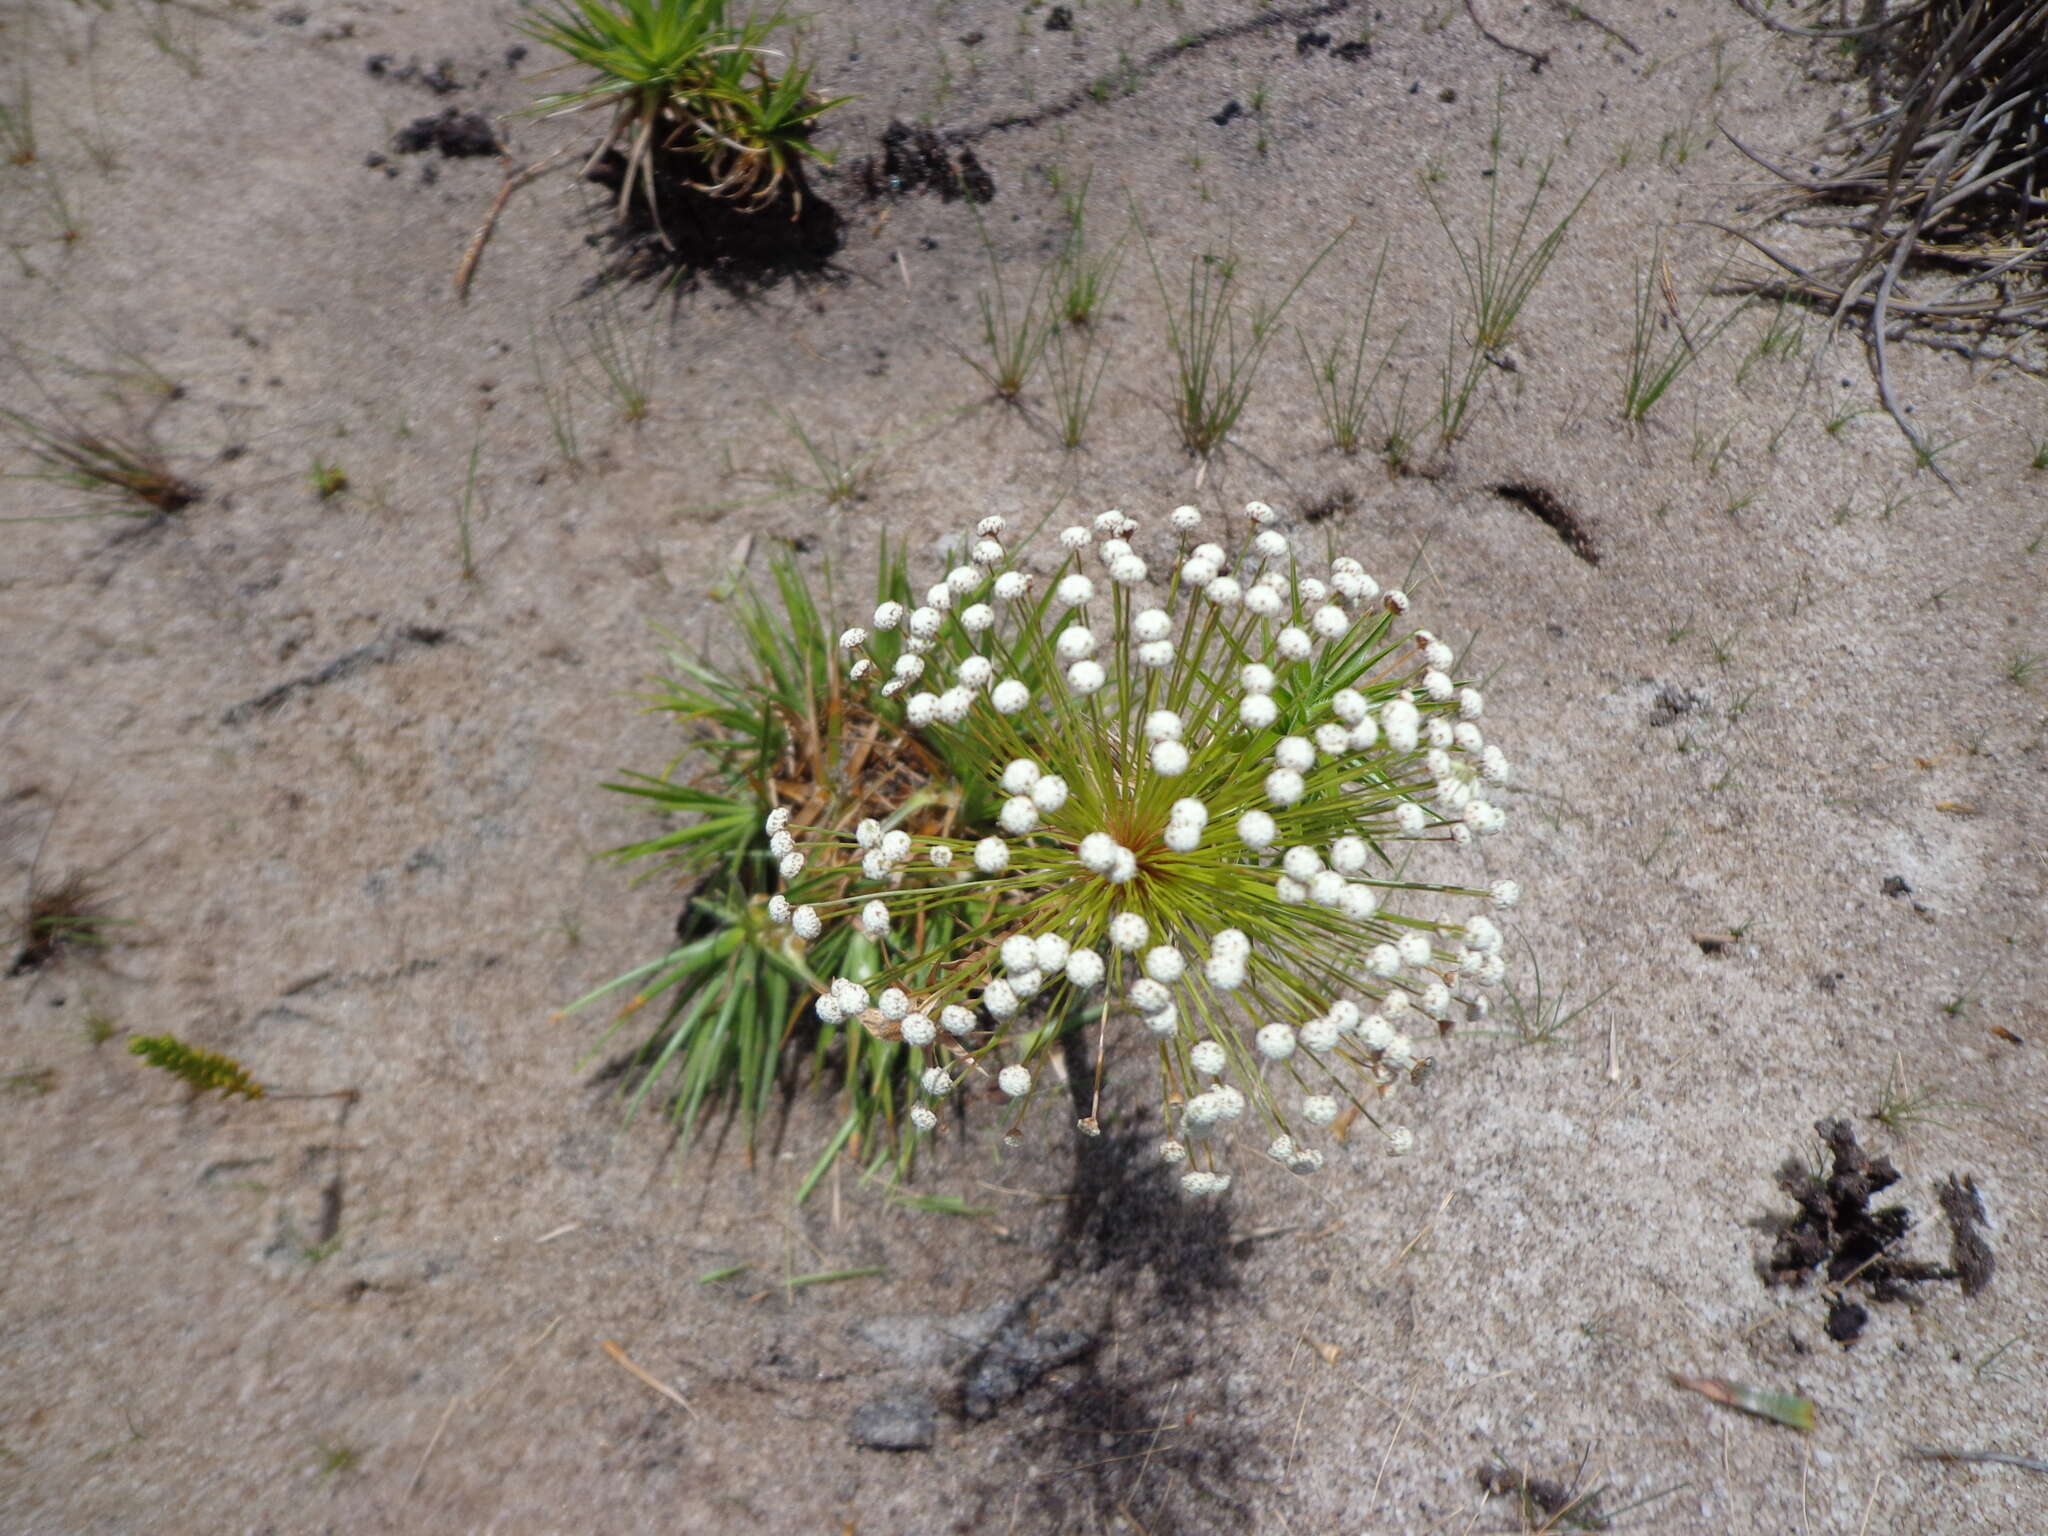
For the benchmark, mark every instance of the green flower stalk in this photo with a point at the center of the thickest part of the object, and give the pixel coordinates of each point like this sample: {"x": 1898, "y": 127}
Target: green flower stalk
{"x": 1211, "y": 786}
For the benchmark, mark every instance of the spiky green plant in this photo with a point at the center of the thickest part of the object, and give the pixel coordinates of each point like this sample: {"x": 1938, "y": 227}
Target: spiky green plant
{"x": 683, "y": 76}
{"x": 207, "y": 1071}
{"x": 782, "y": 729}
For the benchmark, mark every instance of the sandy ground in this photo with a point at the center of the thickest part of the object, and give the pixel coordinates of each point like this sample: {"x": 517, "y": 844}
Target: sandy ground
{"x": 1787, "y": 680}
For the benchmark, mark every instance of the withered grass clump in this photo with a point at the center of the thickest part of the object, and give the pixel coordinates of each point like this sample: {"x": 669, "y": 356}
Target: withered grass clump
{"x": 124, "y": 469}
{"x": 1947, "y": 175}
{"x": 60, "y": 916}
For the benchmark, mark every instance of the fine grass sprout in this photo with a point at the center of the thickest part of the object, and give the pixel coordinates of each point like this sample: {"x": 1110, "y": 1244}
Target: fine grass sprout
{"x": 326, "y": 480}
{"x": 1217, "y": 343}
{"x": 686, "y": 80}
{"x": 1074, "y": 383}
{"x": 1501, "y": 263}
{"x": 1207, "y": 788}
{"x": 1663, "y": 343}
{"x": 1344, "y": 390}
{"x": 1013, "y": 339}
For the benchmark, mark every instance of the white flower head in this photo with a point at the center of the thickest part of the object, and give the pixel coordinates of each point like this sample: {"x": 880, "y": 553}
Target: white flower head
{"x": 1075, "y": 644}
{"x": 1085, "y": 969}
{"x": 1207, "y": 1058}
{"x": 1165, "y": 964}
{"x": 1086, "y": 677}
{"x": 991, "y": 855}
{"x": 1015, "y": 1081}
{"x": 1009, "y": 697}
{"x": 1185, "y": 519}
{"x": 806, "y": 923}
{"x": 1283, "y": 787}
{"x": 1257, "y": 711}
{"x": 1074, "y": 589}
{"x": 1128, "y": 932}
{"x": 1169, "y": 759}
{"x": 1256, "y": 829}
{"x": 1276, "y": 1042}
{"x": 874, "y": 919}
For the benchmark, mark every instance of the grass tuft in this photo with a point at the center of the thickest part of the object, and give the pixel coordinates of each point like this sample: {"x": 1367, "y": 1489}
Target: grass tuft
{"x": 1217, "y": 344}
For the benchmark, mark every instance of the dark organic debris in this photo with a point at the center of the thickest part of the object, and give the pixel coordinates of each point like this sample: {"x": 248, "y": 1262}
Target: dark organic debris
{"x": 1969, "y": 1251}
{"x": 1012, "y": 1363}
{"x": 375, "y": 654}
{"x": 1060, "y": 19}
{"x": 1309, "y": 41}
{"x": 919, "y": 160}
{"x": 900, "y": 1421}
{"x": 1671, "y": 701}
{"x": 1555, "y": 512}
{"x": 1542, "y": 1502}
{"x": 1340, "y": 502}
{"x": 457, "y": 134}
{"x": 1895, "y": 885}
{"x": 1232, "y": 109}
{"x": 1841, "y": 1234}
{"x": 440, "y": 79}
{"x": 1353, "y": 51}
{"x": 1846, "y": 1319}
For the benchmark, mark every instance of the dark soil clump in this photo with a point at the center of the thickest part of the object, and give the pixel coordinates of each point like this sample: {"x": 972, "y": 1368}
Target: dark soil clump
{"x": 1841, "y": 1234}
{"x": 457, "y": 134}
{"x": 918, "y": 160}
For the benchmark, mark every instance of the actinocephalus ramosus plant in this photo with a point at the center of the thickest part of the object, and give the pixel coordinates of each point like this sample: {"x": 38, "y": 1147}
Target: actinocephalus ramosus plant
{"x": 1213, "y": 782}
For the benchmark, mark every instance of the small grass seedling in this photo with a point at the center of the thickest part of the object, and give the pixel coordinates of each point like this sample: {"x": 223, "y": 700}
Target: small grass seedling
{"x": 1074, "y": 383}
{"x": 2022, "y": 666}
{"x": 1344, "y": 390}
{"x": 837, "y": 479}
{"x": 625, "y": 367}
{"x": 2040, "y": 459}
{"x": 1014, "y": 340}
{"x": 1540, "y": 1018}
{"x": 1216, "y": 343}
{"x": 465, "y": 511}
{"x": 1904, "y": 1109}
{"x": 1499, "y": 265}
{"x": 18, "y": 124}
{"x": 1655, "y": 359}
{"x": 326, "y": 480}
{"x": 336, "y": 1459}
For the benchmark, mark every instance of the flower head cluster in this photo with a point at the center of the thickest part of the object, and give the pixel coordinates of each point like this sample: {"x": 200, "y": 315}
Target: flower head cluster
{"x": 1208, "y": 768}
